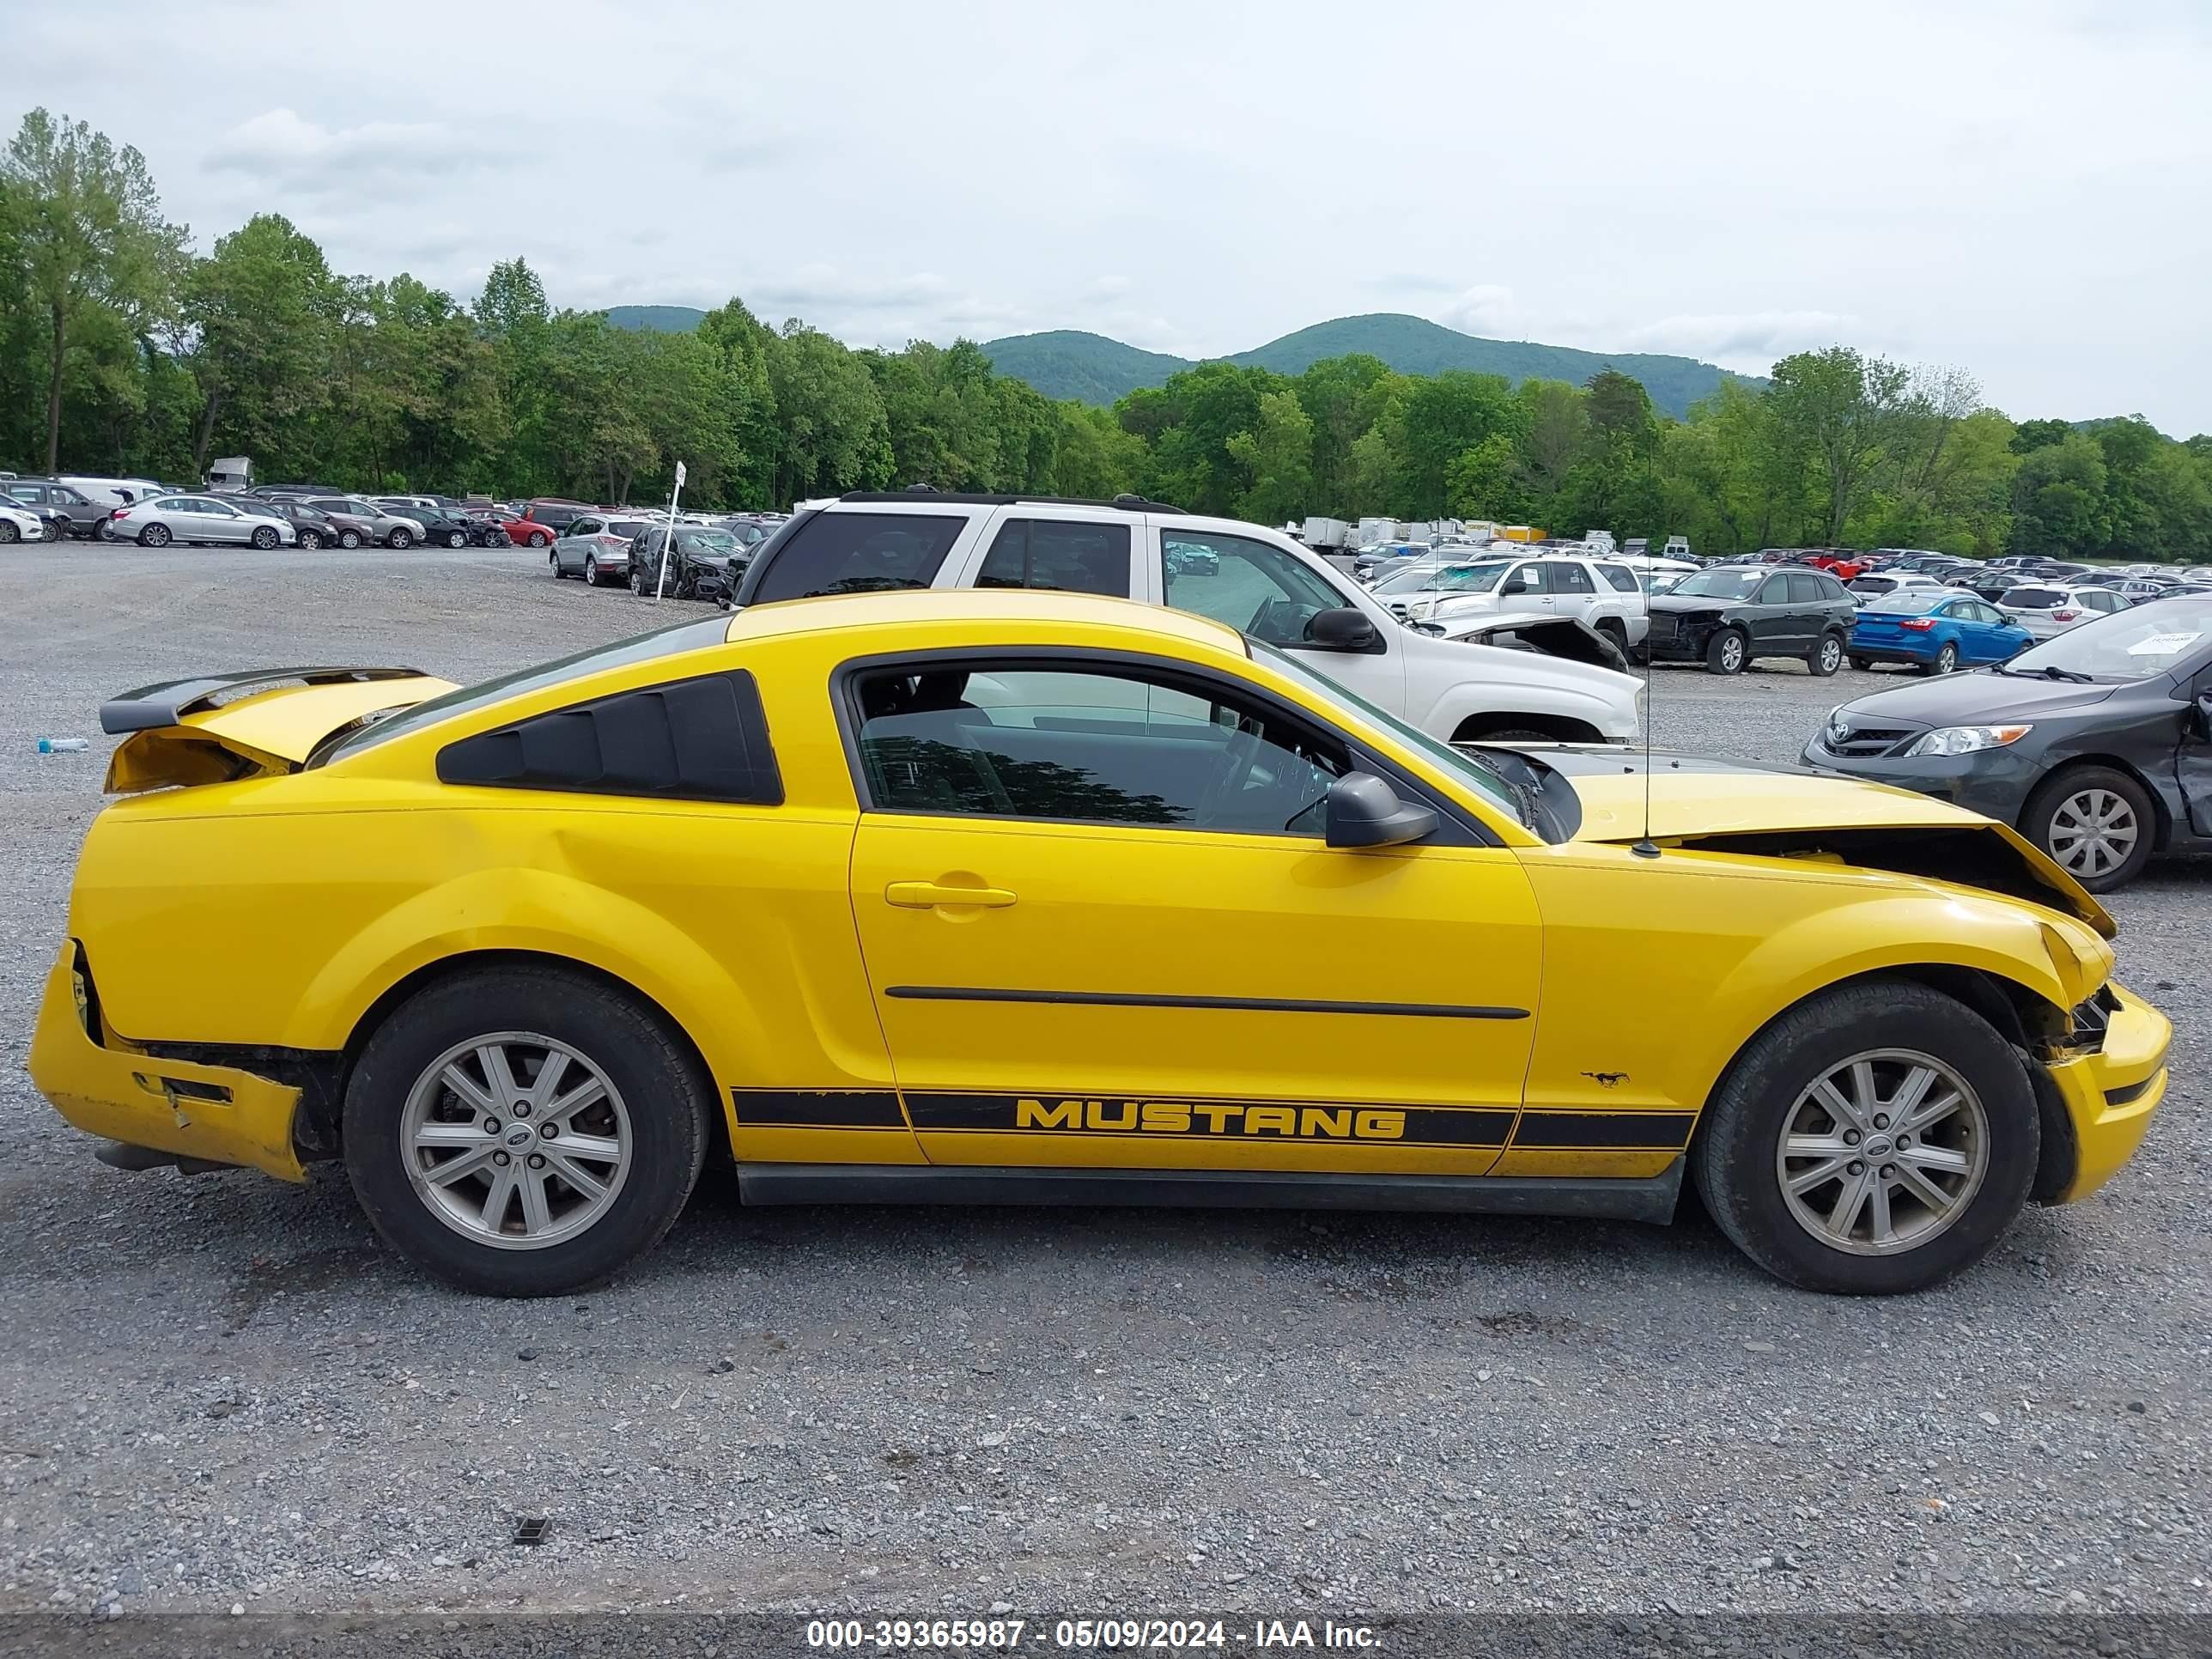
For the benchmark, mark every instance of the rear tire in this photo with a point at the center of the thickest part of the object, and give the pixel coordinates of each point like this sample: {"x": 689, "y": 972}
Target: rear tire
{"x": 1987, "y": 1144}
{"x": 553, "y": 562}
{"x": 1828, "y": 656}
{"x": 590, "y": 571}
{"x": 1726, "y": 652}
{"x": 155, "y": 535}
{"x": 404, "y": 1122}
{"x": 2096, "y": 823}
{"x": 1946, "y": 659}
{"x": 1864, "y": 664}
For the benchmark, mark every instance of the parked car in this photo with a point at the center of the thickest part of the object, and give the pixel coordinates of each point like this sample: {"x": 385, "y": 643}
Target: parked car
{"x": 512, "y": 528}
{"x": 2045, "y": 609}
{"x": 1878, "y": 585}
{"x": 1936, "y": 630}
{"x": 1602, "y": 592}
{"x": 47, "y": 496}
{"x": 2096, "y": 743}
{"x": 161, "y": 520}
{"x": 1256, "y": 579}
{"x": 705, "y": 563}
{"x": 521, "y": 958}
{"x": 2136, "y": 589}
{"x": 443, "y": 526}
{"x": 20, "y": 523}
{"x": 595, "y": 546}
{"x": 311, "y": 526}
{"x": 555, "y": 515}
{"x": 1729, "y": 618}
{"x": 368, "y": 521}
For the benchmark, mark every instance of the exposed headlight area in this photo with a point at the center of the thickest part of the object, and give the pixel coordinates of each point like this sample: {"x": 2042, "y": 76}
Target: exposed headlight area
{"x": 1966, "y": 740}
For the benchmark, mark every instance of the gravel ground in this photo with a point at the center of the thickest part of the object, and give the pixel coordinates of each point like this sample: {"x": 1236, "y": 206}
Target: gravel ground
{"x": 219, "y": 1392}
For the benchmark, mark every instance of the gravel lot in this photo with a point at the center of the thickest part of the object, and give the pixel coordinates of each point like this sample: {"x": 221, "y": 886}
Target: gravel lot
{"x": 220, "y": 1392}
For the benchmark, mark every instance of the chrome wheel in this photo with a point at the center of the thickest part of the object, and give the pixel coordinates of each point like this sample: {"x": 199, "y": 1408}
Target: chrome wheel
{"x": 1831, "y": 654}
{"x": 1883, "y": 1152}
{"x": 515, "y": 1140}
{"x": 2093, "y": 833}
{"x": 1731, "y": 653}
{"x": 1947, "y": 659}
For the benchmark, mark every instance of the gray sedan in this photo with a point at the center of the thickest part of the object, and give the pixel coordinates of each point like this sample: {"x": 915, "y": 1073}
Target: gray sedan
{"x": 596, "y": 546}
{"x": 161, "y": 520}
{"x": 2096, "y": 744}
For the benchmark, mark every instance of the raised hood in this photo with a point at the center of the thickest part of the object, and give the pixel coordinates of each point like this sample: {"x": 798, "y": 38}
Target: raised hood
{"x": 1717, "y": 805}
{"x": 226, "y": 726}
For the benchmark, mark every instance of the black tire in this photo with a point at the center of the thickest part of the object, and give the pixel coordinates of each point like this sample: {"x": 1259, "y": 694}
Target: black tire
{"x": 310, "y": 539}
{"x": 637, "y": 581}
{"x": 1864, "y": 664}
{"x": 1946, "y": 659}
{"x": 9, "y": 533}
{"x": 264, "y": 537}
{"x": 665, "y": 1097}
{"x": 553, "y": 562}
{"x": 1728, "y": 652}
{"x": 399, "y": 541}
{"x": 154, "y": 535}
{"x": 1734, "y": 1159}
{"x": 349, "y": 539}
{"x": 1827, "y": 657}
{"x": 590, "y": 571}
{"x": 499, "y": 538}
{"x": 2041, "y": 818}
{"x": 540, "y": 539}
{"x": 457, "y": 538}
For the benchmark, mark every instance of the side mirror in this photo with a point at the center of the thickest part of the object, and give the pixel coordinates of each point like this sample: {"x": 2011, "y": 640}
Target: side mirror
{"x": 2200, "y": 717}
{"x": 1341, "y": 629}
{"x": 1364, "y": 811}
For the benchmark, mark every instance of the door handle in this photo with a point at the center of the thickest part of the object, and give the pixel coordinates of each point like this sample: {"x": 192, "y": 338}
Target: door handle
{"x": 929, "y": 895}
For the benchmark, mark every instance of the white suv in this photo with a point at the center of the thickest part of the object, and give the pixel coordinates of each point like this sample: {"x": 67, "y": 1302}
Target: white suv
{"x": 1476, "y": 593}
{"x": 1257, "y": 581}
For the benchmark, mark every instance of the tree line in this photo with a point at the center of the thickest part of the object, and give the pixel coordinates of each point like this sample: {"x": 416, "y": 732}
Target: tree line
{"x": 123, "y": 349}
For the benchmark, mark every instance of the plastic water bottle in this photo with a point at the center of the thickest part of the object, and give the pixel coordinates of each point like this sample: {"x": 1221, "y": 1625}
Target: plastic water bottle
{"x": 62, "y": 745}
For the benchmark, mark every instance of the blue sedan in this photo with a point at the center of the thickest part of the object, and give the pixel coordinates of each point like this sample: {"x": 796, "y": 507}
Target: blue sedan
{"x": 1936, "y": 633}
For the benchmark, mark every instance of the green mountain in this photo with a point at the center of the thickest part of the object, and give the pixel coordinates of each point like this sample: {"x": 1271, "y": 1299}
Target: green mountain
{"x": 1093, "y": 369}
{"x": 664, "y": 319}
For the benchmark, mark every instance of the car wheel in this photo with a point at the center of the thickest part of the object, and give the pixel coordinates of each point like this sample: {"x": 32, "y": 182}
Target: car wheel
{"x": 154, "y": 535}
{"x": 590, "y": 571}
{"x": 1946, "y": 659}
{"x": 308, "y": 538}
{"x": 1875, "y": 1139}
{"x": 399, "y": 541}
{"x": 1864, "y": 664}
{"x": 2096, "y": 823}
{"x": 1828, "y": 657}
{"x": 9, "y": 532}
{"x": 349, "y": 539}
{"x": 1728, "y": 652}
{"x": 524, "y": 1131}
{"x": 457, "y": 538}
{"x": 264, "y": 537}
{"x": 553, "y": 560}
{"x": 58, "y": 533}
{"x": 637, "y": 581}
{"x": 539, "y": 538}
{"x": 499, "y": 538}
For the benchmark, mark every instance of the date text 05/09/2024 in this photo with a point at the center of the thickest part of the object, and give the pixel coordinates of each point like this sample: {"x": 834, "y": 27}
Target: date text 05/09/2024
{"x": 1106, "y": 1635}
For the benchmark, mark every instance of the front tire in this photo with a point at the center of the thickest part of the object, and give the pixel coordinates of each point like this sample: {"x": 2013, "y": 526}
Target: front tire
{"x": 1828, "y": 656}
{"x": 1728, "y": 652}
{"x": 399, "y": 541}
{"x": 1875, "y": 1138}
{"x": 264, "y": 537}
{"x": 475, "y": 1070}
{"x": 310, "y": 540}
{"x": 9, "y": 533}
{"x": 540, "y": 539}
{"x": 349, "y": 539}
{"x": 457, "y": 538}
{"x": 2096, "y": 823}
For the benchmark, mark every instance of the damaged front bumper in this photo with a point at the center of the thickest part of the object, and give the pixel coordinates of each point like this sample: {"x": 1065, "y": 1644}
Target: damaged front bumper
{"x": 210, "y": 1114}
{"x": 2108, "y": 1093}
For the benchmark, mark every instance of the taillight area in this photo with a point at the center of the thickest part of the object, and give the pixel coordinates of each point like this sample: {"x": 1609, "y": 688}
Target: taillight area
{"x": 1917, "y": 625}
{"x": 2064, "y": 616}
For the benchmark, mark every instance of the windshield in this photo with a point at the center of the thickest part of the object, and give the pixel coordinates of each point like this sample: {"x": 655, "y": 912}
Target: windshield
{"x": 1408, "y": 581}
{"x": 1720, "y": 584}
{"x": 1477, "y": 777}
{"x": 2127, "y": 644}
{"x": 706, "y": 544}
{"x": 1909, "y": 604}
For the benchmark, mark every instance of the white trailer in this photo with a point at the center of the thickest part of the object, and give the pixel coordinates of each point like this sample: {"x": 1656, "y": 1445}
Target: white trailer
{"x": 1325, "y": 534}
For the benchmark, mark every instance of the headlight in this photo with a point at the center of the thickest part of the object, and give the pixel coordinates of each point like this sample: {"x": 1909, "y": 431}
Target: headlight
{"x": 1965, "y": 739}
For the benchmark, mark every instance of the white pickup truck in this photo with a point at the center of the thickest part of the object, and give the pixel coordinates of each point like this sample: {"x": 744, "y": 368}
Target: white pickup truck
{"x": 1256, "y": 579}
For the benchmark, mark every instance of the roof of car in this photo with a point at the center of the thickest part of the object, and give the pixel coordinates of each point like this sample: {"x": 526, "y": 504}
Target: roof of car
{"x": 858, "y": 612}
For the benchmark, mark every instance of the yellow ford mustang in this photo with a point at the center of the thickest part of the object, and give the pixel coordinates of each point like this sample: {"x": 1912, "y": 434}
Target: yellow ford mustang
{"x": 983, "y": 897}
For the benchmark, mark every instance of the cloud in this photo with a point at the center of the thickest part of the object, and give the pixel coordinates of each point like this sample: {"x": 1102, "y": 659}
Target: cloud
{"x": 1761, "y": 335}
{"x": 281, "y": 149}
{"x": 1486, "y": 308}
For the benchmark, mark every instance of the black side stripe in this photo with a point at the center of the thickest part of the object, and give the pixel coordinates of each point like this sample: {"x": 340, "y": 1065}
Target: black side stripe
{"x": 1240, "y": 1005}
{"x": 1657, "y": 1132}
{"x": 817, "y": 1108}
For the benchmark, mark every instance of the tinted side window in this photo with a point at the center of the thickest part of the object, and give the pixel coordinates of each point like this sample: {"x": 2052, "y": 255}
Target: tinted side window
{"x": 1569, "y": 579}
{"x": 1077, "y": 558}
{"x": 1620, "y": 577}
{"x": 697, "y": 739}
{"x": 1254, "y": 587}
{"x": 859, "y": 553}
{"x": 1830, "y": 588}
{"x": 1775, "y": 590}
{"x": 1110, "y": 746}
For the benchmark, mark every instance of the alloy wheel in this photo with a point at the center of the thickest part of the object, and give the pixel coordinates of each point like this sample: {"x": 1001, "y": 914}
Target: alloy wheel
{"x": 1731, "y": 653}
{"x": 2093, "y": 833}
{"x": 516, "y": 1141}
{"x": 1883, "y": 1152}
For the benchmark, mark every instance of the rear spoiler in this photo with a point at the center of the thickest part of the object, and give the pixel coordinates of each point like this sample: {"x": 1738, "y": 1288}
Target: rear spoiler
{"x": 151, "y": 706}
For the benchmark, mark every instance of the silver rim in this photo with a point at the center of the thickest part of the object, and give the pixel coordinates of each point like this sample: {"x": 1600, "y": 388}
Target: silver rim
{"x": 515, "y": 1140}
{"x": 1731, "y": 653}
{"x": 1883, "y": 1152}
{"x": 1832, "y": 655}
{"x": 2093, "y": 833}
{"x": 1946, "y": 660}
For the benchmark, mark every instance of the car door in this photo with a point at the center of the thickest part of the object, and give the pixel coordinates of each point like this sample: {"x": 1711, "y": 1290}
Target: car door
{"x": 570, "y": 547}
{"x": 1102, "y": 928}
{"x": 1272, "y": 594}
{"x": 1527, "y": 586}
{"x": 1569, "y": 590}
{"x": 1767, "y": 618}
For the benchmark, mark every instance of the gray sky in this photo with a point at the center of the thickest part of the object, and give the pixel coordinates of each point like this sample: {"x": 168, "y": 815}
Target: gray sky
{"x": 2018, "y": 188}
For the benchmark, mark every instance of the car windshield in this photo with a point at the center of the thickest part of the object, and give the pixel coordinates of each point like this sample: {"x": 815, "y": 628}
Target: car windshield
{"x": 706, "y": 544}
{"x": 1475, "y": 774}
{"x": 1409, "y": 582}
{"x": 2127, "y": 645}
{"x": 1735, "y": 584}
{"x": 1909, "y": 604}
